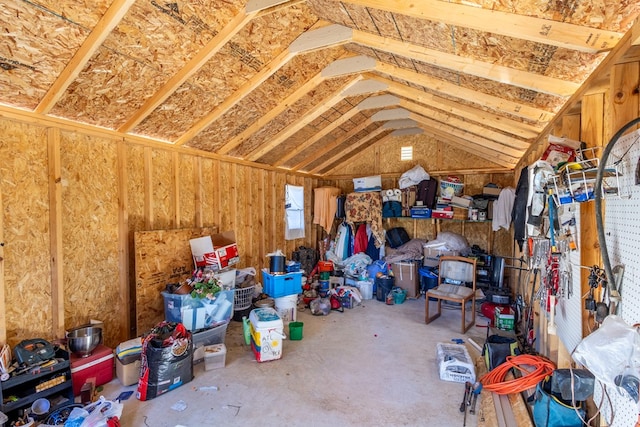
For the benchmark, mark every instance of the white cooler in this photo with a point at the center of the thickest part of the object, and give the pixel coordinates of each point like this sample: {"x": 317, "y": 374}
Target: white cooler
{"x": 267, "y": 332}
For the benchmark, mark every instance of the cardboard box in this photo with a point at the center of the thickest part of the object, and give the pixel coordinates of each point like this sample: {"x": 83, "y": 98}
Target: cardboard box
{"x": 128, "y": 373}
{"x": 217, "y": 251}
{"x": 367, "y": 183}
{"x": 406, "y": 277}
{"x": 491, "y": 191}
{"x": 432, "y": 255}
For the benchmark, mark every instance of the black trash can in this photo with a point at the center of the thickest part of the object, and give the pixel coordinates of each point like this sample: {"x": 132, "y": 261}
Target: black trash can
{"x": 383, "y": 287}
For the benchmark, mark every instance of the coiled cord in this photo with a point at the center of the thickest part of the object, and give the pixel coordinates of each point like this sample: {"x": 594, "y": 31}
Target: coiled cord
{"x": 537, "y": 369}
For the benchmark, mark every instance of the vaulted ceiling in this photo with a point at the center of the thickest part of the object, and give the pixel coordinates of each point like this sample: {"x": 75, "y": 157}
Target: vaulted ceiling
{"x": 303, "y": 85}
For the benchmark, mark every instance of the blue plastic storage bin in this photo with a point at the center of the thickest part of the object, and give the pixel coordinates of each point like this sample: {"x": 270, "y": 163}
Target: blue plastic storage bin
{"x": 281, "y": 285}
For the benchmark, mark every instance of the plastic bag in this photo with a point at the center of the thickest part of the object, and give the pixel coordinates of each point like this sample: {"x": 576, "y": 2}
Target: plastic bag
{"x": 95, "y": 414}
{"x": 611, "y": 352}
{"x": 320, "y": 306}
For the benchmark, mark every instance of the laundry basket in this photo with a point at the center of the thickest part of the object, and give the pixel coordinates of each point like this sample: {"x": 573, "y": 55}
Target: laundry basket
{"x": 242, "y": 298}
{"x": 450, "y": 188}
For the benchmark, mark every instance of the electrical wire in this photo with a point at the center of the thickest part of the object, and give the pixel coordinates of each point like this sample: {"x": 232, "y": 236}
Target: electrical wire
{"x": 533, "y": 368}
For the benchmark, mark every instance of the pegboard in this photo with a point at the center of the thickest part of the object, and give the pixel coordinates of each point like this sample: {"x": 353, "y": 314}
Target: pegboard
{"x": 622, "y": 234}
{"x": 569, "y": 307}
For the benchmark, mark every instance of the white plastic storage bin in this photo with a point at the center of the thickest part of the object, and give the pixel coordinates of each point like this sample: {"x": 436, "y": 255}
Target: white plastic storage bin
{"x": 214, "y": 356}
{"x": 367, "y": 183}
{"x": 267, "y": 332}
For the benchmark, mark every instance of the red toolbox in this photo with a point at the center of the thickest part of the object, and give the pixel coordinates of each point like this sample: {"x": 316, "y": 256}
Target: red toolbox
{"x": 98, "y": 365}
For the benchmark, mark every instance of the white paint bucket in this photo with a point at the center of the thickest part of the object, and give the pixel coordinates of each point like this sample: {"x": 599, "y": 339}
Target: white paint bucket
{"x": 287, "y": 307}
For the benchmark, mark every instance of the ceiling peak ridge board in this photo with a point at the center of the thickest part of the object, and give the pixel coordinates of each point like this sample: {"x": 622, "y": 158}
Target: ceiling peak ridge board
{"x": 350, "y": 65}
{"x": 309, "y": 116}
{"x": 539, "y": 30}
{"x": 486, "y": 70}
{"x": 483, "y": 131}
{"x": 366, "y": 86}
{"x": 400, "y": 124}
{"x": 372, "y": 102}
{"x": 89, "y": 46}
{"x": 352, "y": 147}
{"x": 233, "y": 27}
{"x": 468, "y": 136}
{"x": 272, "y": 113}
{"x": 443, "y": 87}
{"x": 485, "y": 118}
{"x": 333, "y": 145}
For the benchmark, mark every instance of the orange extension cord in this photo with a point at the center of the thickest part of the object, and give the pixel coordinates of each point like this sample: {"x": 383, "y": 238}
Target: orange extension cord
{"x": 537, "y": 369}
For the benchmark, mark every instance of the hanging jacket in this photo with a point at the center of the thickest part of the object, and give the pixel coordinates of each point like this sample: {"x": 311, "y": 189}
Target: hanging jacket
{"x": 519, "y": 211}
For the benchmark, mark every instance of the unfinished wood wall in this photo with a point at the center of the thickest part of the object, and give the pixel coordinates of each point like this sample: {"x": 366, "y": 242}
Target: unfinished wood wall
{"x": 72, "y": 201}
{"x": 439, "y": 159}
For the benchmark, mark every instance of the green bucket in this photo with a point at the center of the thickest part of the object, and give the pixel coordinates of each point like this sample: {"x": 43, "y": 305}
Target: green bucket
{"x": 295, "y": 331}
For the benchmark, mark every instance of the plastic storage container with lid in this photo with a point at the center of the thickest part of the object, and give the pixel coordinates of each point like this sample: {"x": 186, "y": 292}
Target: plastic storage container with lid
{"x": 267, "y": 332}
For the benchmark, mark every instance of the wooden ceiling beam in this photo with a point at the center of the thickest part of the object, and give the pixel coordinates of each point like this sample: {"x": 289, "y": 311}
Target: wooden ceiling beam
{"x": 189, "y": 69}
{"x": 485, "y": 70}
{"x": 494, "y": 152}
{"x": 493, "y": 157}
{"x": 468, "y": 136}
{"x": 91, "y": 44}
{"x": 538, "y": 30}
{"x": 451, "y": 89}
{"x": 485, "y": 118}
{"x": 333, "y": 145}
{"x": 501, "y": 138}
{"x": 351, "y": 148}
{"x": 345, "y": 117}
{"x": 272, "y": 114}
{"x": 307, "y": 118}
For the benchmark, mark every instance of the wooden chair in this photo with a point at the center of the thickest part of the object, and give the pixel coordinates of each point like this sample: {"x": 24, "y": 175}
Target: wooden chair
{"x": 456, "y": 283}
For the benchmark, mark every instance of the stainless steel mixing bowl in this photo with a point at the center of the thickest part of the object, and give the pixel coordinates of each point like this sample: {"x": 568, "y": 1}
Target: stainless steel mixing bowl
{"x": 83, "y": 340}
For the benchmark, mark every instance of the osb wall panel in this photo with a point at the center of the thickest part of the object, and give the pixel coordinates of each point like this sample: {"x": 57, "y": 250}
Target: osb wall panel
{"x": 187, "y": 189}
{"x": 162, "y": 190}
{"x": 209, "y": 190}
{"x": 25, "y": 191}
{"x": 90, "y": 233}
{"x": 161, "y": 257}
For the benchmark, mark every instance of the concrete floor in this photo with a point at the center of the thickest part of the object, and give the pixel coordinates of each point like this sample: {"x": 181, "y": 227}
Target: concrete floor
{"x": 374, "y": 364}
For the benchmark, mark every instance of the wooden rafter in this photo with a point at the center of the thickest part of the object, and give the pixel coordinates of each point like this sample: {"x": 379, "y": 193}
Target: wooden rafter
{"x": 189, "y": 69}
{"x": 462, "y": 133}
{"x": 308, "y": 117}
{"x": 333, "y": 145}
{"x": 537, "y": 30}
{"x": 351, "y": 148}
{"x": 267, "y": 71}
{"x": 485, "y": 118}
{"x": 485, "y": 70}
{"x": 474, "y": 145}
{"x": 345, "y": 117}
{"x": 451, "y": 89}
{"x": 312, "y": 83}
{"x": 471, "y": 148}
{"x": 92, "y": 43}
{"x": 500, "y": 138}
